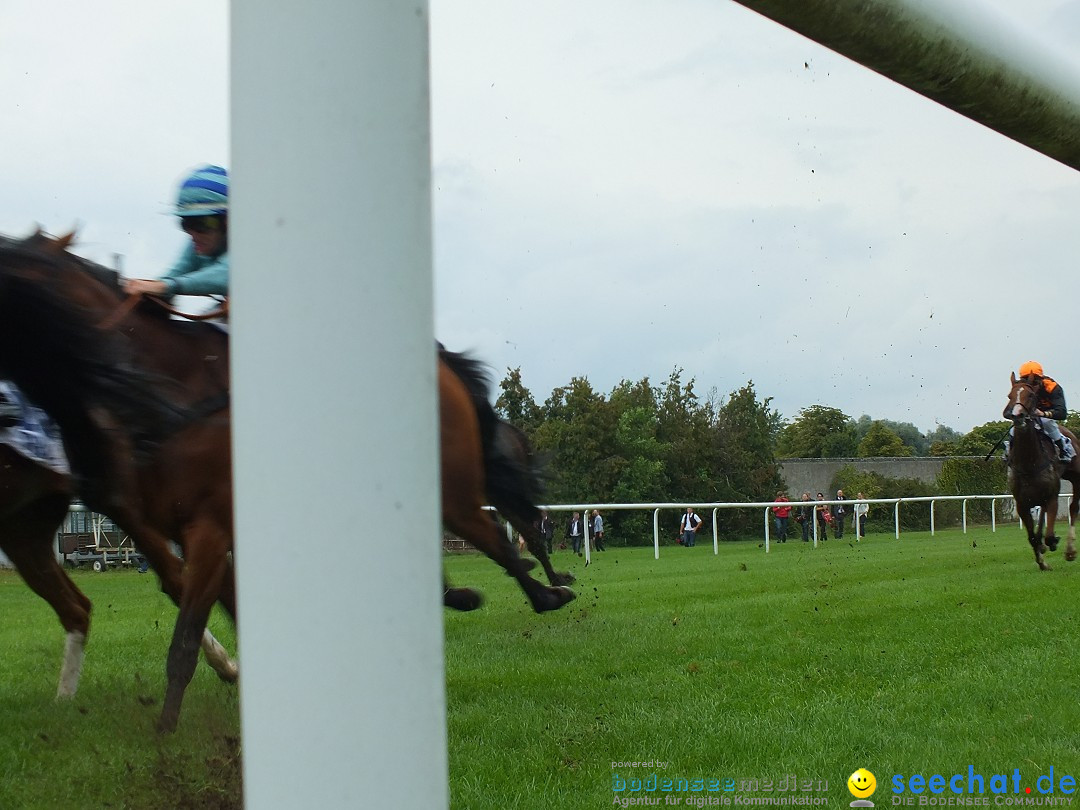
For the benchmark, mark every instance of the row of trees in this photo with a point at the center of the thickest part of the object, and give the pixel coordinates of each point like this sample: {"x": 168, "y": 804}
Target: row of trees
{"x": 644, "y": 443}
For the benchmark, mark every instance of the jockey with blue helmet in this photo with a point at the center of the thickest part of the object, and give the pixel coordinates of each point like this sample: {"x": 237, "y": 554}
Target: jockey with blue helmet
{"x": 1050, "y": 406}
{"x": 203, "y": 268}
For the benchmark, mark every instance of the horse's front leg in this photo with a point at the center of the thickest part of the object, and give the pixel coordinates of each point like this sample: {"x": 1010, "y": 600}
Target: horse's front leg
{"x": 1034, "y": 538}
{"x": 205, "y": 547}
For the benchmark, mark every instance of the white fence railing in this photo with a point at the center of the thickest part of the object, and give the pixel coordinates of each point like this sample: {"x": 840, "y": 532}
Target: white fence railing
{"x": 767, "y": 506}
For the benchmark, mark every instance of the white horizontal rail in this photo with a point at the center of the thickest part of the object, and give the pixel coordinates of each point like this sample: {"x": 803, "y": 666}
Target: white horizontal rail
{"x": 586, "y": 508}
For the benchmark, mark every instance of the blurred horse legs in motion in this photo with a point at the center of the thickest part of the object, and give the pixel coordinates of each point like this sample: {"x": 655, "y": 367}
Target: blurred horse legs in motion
{"x": 475, "y": 467}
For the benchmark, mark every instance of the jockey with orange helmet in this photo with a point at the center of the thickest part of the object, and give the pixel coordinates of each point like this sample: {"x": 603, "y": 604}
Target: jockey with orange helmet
{"x": 1049, "y": 406}
{"x": 203, "y": 268}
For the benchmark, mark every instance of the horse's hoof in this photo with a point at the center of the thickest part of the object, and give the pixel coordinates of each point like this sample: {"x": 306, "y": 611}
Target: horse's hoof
{"x": 553, "y": 599}
{"x": 1070, "y": 555}
{"x": 563, "y": 578}
{"x": 462, "y": 599}
{"x": 166, "y": 724}
{"x": 1052, "y": 542}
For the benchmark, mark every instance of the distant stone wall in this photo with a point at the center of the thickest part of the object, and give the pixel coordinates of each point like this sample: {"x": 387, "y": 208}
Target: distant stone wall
{"x": 815, "y": 475}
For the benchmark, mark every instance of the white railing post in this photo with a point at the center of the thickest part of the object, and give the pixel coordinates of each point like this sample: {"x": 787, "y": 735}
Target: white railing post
{"x": 587, "y": 535}
{"x": 342, "y": 682}
{"x": 656, "y": 533}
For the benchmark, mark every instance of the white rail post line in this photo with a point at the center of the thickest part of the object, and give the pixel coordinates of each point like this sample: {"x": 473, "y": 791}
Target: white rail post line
{"x": 766, "y": 530}
{"x": 896, "y": 517}
{"x": 656, "y": 533}
{"x": 715, "y": 532}
{"x": 931, "y": 518}
{"x": 963, "y": 514}
{"x": 957, "y": 53}
{"x": 993, "y": 515}
{"x": 587, "y": 527}
{"x": 332, "y": 302}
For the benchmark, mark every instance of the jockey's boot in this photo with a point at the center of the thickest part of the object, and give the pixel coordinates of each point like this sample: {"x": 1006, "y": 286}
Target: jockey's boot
{"x": 1005, "y": 455}
{"x": 1066, "y": 449}
{"x": 9, "y": 412}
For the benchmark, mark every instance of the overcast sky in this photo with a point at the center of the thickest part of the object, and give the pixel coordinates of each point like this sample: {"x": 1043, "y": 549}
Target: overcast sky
{"x": 620, "y": 189}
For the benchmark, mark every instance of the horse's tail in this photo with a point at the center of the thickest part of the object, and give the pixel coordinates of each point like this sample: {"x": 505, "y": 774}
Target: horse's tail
{"x": 513, "y": 476}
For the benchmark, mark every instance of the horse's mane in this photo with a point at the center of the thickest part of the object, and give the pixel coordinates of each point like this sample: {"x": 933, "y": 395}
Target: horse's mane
{"x": 56, "y": 351}
{"x": 512, "y": 472}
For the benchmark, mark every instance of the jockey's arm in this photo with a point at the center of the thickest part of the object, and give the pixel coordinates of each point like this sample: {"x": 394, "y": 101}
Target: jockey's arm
{"x": 210, "y": 279}
{"x": 1057, "y": 409}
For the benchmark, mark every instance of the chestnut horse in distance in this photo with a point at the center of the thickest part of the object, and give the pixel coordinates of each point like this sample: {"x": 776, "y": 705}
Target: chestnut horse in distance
{"x": 1035, "y": 474}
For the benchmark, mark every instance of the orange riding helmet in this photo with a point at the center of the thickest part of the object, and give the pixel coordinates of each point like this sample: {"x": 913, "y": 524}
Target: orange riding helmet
{"x": 1031, "y": 367}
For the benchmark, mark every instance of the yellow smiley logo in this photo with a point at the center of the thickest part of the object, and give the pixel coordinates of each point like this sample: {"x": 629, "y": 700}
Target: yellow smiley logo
{"x": 861, "y": 783}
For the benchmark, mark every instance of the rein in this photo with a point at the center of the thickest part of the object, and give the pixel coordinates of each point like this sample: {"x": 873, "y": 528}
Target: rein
{"x": 130, "y": 302}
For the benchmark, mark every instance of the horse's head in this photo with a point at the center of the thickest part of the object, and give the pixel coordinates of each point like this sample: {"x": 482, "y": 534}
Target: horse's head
{"x": 1022, "y": 399}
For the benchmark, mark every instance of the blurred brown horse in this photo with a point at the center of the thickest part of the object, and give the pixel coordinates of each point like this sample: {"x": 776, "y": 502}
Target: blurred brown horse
{"x": 142, "y": 402}
{"x": 1035, "y": 474}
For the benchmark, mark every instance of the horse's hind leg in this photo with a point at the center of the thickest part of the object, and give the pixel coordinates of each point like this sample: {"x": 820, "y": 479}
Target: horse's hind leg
{"x": 1074, "y": 507}
{"x": 28, "y": 544}
{"x": 1050, "y": 513}
{"x": 205, "y": 569}
{"x": 478, "y": 529}
{"x": 536, "y": 546}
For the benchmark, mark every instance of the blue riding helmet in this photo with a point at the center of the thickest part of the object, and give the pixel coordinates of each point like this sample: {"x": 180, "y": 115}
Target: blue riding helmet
{"x": 204, "y": 192}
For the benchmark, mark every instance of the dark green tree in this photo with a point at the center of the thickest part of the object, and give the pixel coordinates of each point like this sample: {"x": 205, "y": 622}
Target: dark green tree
{"x": 746, "y": 427}
{"x": 516, "y": 403}
{"x": 817, "y": 432}
{"x": 881, "y": 441}
{"x": 980, "y": 440}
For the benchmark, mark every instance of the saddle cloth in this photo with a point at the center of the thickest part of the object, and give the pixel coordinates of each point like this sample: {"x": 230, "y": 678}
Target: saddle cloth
{"x": 35, "y": 435}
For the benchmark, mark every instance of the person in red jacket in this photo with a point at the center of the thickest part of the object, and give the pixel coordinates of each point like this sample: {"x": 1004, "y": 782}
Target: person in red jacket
{"x": 782, "y": 515}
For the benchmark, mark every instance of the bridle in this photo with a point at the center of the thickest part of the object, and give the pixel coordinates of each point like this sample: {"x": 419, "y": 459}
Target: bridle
{"x": 1021, "y": 401}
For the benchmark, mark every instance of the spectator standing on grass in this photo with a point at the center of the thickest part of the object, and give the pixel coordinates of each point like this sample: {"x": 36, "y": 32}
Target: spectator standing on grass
{"x": 838, "y": 513}
{"x": 689, "y": 526}
{"x": 545, "y": 526}
{"x": 783, "y": 516}
{"x": 575, "y": 530}
{"x": 805, "y": 517}
{"x": 598, "y": 530}
{"x": 860, "y": 516}
{"x": 824, "y": 516}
